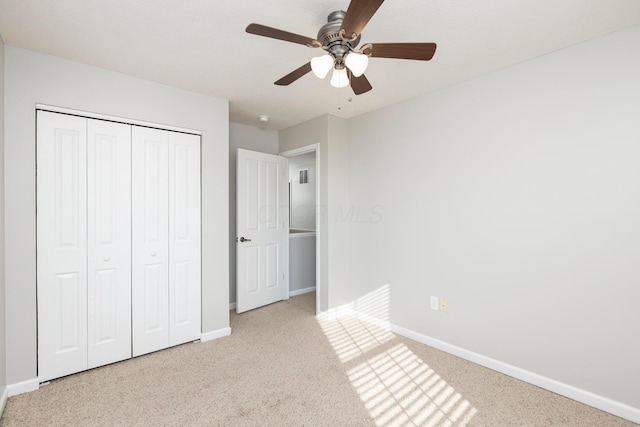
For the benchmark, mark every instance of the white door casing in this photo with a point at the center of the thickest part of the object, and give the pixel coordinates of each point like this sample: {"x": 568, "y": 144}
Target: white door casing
{"x": 150, "y": 239}
{"x": 61, "y": 244}
{"x": 184, "y": 238}
{"x": 262, "y": 229}
{"x": 109, "y": 242}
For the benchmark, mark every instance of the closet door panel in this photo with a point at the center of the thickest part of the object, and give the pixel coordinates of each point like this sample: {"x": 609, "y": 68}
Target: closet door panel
{"x": 184, "y": 238}
{"x": 109, "y": 235}
{"x": 150, "y": 241}
{"x": 61, "y": 245}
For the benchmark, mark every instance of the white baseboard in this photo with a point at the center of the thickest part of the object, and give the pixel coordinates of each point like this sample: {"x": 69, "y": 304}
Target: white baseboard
{"x": 3, "y": 400}
{"x": 575, "y": 393}
{"x": 23, "y": 387}
{"x": 302, "y": 291}
{"x": 214, "y": 335}
{"x": 232, "y": 306}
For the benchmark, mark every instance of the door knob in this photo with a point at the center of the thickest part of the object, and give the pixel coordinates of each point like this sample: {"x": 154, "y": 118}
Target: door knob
{"x": 242, "y": 239}
{"x": 153, "y": 254}
{"x": 106, "y": 258}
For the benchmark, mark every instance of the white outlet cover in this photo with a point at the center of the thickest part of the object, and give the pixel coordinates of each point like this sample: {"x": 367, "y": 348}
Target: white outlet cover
{"x": 435, "y": 303}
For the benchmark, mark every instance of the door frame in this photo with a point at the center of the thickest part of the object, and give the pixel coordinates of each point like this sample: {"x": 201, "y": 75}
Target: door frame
{"x": 313, "y": 148}
{"x": 110, "y": 118}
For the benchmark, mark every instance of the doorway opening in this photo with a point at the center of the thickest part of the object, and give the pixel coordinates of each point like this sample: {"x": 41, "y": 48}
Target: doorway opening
{"x": 304, "y": 223}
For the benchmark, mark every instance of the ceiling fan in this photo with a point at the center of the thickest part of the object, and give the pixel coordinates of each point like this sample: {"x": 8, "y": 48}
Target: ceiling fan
{"x": 339, "y": 38}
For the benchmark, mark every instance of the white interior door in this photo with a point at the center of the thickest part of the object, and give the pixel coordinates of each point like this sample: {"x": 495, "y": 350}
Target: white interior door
{"x": 262, "y": 229}
{"x": 61, "y": 244}
{"x": 184, "y": 238}
{"x": 109, "y": 242}
{"x": 150, "y": 240}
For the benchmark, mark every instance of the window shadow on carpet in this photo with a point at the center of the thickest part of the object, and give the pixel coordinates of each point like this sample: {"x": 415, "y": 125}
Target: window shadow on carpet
{"x": 395, "y": 385}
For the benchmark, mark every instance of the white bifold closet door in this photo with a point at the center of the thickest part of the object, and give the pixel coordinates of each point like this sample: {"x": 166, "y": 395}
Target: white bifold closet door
{"x": 184, "y": 238}
{"x": 109, "y": 245}
{"x": 83, "y": 244}
{"x": 118, "y": 241}
{"x": 165, "y": 239}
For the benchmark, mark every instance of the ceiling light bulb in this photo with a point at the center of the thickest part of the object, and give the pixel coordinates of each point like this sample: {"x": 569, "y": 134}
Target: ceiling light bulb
{"x": 357, "y": 63}
{"x": 339, "y": 78}
{"x": 321, "y": 65}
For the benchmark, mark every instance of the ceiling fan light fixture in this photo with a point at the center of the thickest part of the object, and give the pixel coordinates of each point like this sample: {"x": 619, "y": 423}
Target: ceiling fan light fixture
{"x": 340, "y": 78}
{"x": 320, "y": 65}
{"x": 357, "y": 63}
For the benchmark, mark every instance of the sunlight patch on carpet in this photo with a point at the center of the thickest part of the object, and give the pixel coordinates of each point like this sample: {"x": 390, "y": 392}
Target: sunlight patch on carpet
{"x": 351, "y": 338}
{"x": 396, "y": 387}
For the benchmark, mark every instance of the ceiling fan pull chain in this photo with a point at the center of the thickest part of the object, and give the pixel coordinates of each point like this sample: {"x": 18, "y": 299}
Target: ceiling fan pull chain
{"x": 338, "y": 96}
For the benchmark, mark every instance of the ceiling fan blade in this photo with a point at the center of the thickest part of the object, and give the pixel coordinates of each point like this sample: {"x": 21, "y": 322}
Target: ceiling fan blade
{"x": 274, "y": 33}
{"x": 358, "y": 15}
{"x": 360, "y": 84}
{"x": 417, "y": 51}
{"x": 294, "y": 75}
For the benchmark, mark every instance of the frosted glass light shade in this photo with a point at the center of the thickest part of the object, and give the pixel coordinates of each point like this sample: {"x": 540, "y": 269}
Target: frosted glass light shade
{"x": 340, "y": 78}
{"x": 320, "y": 65}
{"x": 357, "y": 63}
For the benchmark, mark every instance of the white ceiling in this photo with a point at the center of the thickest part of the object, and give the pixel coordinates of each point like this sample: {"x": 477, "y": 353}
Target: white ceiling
{"x": 201, "y": 45}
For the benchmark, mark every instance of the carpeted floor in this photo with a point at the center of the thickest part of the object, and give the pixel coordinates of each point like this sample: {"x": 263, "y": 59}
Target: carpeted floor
{"x": 282, "y": 367}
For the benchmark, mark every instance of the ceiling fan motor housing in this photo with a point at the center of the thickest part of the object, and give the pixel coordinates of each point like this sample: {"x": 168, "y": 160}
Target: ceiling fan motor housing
{"x": 329, "y": 36}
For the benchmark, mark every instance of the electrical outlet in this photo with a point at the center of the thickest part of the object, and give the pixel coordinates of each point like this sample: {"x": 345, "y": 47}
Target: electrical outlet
{"x": 435, "y": 303}
{"x": 443, "y": 305}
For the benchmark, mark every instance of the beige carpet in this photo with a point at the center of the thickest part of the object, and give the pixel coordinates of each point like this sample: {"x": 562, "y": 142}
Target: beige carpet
{"x": 281, "y": 367}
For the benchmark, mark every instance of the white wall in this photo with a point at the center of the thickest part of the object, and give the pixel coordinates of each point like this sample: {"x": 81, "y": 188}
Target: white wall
{"x": 302, "y": 261}
{"x": 516, "y": 196}
{"x": 248, "y": 138}
{"x": 303, "y": 196}
{"x": 3, "y": 370}
{"x": 32, "y": 78}
{"x": 339, "y": 211}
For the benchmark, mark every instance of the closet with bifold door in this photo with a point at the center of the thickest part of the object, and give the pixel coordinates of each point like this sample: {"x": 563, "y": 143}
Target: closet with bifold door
{"x": 118, "y": 241}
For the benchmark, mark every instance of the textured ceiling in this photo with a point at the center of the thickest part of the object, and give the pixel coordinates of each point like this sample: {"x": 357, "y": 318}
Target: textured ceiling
{"x": 201, "y": 45}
